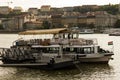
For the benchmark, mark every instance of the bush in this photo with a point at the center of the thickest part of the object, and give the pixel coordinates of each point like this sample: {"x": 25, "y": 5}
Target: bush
{"x": 1, "y": 27}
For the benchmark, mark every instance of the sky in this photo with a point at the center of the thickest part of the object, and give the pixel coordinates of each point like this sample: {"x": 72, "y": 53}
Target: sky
{"x": 25, "y": 4}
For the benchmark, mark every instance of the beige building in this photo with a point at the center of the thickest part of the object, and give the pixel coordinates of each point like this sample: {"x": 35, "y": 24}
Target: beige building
{"x": 54, "y": 9}
{"x": 70, "y": 21}
{"x": 33, "y": 25}
{"x": 104, "y": 19}
{"x": 90, "y": 6}
{"x": 17, "y": 9}
{"x": 13, "y": 24}
{"x": 56, "y": 21}
{"x": 5, "y": 10}
{"x": 30, "y": 18}
{"x": 45, "y": 8}
{"x": 90, "y": 20}
{"x": 82, "y": 19}
{"x": 68, "y": 9}
{"x": 33, "y": 11}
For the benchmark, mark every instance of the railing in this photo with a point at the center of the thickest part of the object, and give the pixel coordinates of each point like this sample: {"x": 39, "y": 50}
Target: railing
{"x": 3, "y": 52}
{"x": 14, "y": 53}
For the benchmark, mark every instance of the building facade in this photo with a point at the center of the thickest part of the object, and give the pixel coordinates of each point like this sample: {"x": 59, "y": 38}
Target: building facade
{"x": 104, "y": 19}
{"x": 33, "y": 11}
{"x": 5, "y": 10}
{"x": 45, "y": 8}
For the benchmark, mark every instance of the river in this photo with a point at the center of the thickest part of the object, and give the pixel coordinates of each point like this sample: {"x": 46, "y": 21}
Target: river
{"x": 110, "y": 71}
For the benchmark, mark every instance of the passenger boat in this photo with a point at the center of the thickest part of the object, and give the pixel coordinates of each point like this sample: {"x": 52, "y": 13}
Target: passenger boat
{"x": 38, "y": 53}
{"x": 64, "y": 49}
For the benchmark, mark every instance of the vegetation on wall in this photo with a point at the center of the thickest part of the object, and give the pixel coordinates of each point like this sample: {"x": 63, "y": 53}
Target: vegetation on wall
{"x": 46, "y": 24}
{"x": 1, "y": 27}
{"x": 112, "y": 9}
{"x": 117, "y": 24}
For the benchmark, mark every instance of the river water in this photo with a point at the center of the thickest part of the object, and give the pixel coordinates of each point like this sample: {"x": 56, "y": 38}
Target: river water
{"x": 110, "y": 71}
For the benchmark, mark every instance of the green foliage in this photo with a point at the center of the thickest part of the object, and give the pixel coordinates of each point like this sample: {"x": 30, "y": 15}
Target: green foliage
{"x": 46, "y": 24}
{"x": 91, "y": 26}
{"x": 117, "y": 24}
{"x": 24, "y": 26}
{"x": 112, "y": 9}
{"x": 84, "y": 10}
{"x": 1, "y": 27}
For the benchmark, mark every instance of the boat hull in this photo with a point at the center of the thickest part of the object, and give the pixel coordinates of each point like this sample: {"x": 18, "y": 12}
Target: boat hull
{"x": 96, "y": 59}
{"x": 46, "y": 66}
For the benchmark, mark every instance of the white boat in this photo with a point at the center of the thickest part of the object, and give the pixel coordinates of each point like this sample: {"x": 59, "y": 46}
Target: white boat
{"x": 90, "y": 54}
{"x": 63, "y": 50}
{"x": 37, "y": 53}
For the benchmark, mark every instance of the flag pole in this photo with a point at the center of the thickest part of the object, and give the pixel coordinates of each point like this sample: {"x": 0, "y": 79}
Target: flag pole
{"x": 111, "y": 43}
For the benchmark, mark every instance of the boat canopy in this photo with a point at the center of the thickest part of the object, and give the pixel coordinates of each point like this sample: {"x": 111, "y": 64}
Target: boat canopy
{"x": 45, "y": 31}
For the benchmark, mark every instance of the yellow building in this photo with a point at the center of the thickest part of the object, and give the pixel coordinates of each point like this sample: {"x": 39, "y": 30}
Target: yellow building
{"x": 5, "y": 10}
{"x": 45, "y": 8}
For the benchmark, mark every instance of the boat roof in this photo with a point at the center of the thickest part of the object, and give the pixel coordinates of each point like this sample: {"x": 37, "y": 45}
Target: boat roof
{"x": 81, "y": 46}
{"x": 45, "y": 31}
{"x": 39, "y": 46}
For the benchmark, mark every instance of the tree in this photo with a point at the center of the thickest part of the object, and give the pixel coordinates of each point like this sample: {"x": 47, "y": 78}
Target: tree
{"x": 1, "y": 27}
{"x": 112, "y": 9}
{"x": 117, "y": 24}
{"x": 46, "y": 24}
{"x": 91, "y": 26}
{"x": 24, "y": 26}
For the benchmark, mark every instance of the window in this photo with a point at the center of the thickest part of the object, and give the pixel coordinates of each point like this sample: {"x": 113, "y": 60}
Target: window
{"x": 87, "y": 50}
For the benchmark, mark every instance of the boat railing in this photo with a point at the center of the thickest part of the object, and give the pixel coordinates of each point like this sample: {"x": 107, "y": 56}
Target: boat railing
{"x": 79, "y": 41}
{"x": 33, "y": 42}
{"x": 4, "y": 52}
{"x": 15, "y": 53}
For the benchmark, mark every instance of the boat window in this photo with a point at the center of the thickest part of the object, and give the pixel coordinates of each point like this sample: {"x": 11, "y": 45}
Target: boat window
{"x": 71, "y": 49}
{"x": 92, "y": 49}
{"x": 66, "y": 36}
{"x": 52, "y": 50}
{"x": 87, "y": 50}
{"x": 75, "y": 36}
{"x": 56, "y": 36}
{"x": 80, "y": 50}
{"x": 70, "y": 36}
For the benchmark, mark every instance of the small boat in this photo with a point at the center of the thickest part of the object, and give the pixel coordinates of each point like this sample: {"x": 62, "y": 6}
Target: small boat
{"x": 114, "y": 34}
{"x": 86, "y": 31}
{"x": 64, "y": 49}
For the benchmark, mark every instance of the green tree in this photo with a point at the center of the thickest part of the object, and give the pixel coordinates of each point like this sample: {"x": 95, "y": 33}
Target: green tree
{"x": 112, "y": 9}
{"x": 117, "y": 24}
{"x": 1, "y": 27}
{"x": 24, "y": 26}
{"x": 46, "y": 24}
{"x": 91, "y": 26}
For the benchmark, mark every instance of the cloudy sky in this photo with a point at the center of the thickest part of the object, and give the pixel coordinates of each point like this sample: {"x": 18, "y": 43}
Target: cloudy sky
{"x": 25, "y": 4}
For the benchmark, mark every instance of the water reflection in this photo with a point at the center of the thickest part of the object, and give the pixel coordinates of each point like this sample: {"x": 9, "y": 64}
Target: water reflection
{"x": 81, "y": 72}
